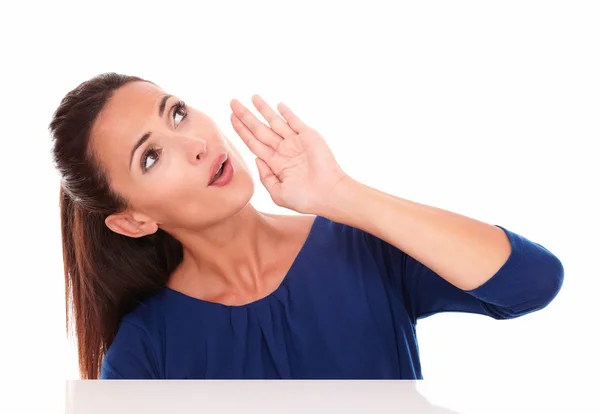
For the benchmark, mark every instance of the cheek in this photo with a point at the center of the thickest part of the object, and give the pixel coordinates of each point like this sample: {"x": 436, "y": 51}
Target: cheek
{"x": 172, "y": 187}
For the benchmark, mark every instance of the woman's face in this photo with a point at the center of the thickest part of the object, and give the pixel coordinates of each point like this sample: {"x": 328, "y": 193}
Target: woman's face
{"x": 158, "y": 156}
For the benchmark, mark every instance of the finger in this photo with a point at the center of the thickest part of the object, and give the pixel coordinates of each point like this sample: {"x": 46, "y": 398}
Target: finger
{"x": 262, "y": 132}
{"x": 278, "y": 124}
{"x": 258, "y": 148}
{"x": 296, "y": 123}
{"x": 267, "y": 177}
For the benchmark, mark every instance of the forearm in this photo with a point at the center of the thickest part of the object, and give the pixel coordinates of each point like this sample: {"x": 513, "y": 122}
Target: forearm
{"x": 464, "y": 251}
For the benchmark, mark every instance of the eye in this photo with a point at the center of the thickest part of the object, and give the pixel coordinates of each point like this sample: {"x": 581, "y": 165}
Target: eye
{"x": 179, "y": 112}
{"x": 150, "y": 157}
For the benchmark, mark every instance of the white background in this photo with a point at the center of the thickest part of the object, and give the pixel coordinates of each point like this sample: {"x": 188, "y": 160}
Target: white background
{"x": 489, "y": 109}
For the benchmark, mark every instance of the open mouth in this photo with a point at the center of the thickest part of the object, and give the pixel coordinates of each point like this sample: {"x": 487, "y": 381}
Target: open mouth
{"x": 219, "y": 172}
{"x": 223, "y": 174}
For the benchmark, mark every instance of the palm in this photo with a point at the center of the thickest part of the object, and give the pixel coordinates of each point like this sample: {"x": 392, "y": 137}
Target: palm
{"x": 295, "y": 164}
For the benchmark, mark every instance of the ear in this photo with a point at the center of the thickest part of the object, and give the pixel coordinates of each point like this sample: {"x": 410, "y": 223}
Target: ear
{"x": 131, "y": 226}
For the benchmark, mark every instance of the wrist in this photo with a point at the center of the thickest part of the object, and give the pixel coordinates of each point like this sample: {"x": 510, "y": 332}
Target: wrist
{"x": 344, "y": 203}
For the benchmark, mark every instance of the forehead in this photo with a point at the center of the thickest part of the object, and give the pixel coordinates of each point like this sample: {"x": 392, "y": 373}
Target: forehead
{"x": 129, "y": 110}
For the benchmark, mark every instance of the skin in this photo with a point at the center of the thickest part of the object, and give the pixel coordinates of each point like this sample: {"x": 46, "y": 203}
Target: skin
{"x": 234, "y": 254}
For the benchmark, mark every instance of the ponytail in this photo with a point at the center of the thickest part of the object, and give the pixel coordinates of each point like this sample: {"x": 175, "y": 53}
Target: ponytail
{"x": 106, "y": 276}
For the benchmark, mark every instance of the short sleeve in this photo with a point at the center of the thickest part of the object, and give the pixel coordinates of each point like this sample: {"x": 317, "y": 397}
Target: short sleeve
{"x": 528, "y": 281}
{"x": 130, "y": 356}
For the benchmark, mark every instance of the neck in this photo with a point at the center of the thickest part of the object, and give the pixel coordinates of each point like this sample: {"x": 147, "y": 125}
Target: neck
{"x": 229, "y": 255}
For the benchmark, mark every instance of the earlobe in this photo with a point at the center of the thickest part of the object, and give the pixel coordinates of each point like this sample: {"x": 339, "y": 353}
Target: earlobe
{"x": 124, "y": 224}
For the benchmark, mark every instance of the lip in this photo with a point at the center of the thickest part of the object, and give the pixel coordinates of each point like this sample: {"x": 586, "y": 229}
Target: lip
{"x": 227, "y": 175}
{"x": 220, "y": 159}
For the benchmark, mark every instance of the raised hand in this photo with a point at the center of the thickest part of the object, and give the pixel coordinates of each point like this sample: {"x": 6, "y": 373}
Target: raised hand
{"x": 294, "y": 163}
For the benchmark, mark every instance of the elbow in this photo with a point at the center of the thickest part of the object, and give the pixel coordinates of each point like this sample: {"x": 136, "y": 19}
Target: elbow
{"x": 551, "y": 281}
{"x": 548, "y": 283}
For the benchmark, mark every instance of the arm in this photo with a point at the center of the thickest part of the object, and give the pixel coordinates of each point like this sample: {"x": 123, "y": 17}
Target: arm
{"x": 443, "y": 261}
{"x": 519, "y": 287}
{"x": 464, "y": 251}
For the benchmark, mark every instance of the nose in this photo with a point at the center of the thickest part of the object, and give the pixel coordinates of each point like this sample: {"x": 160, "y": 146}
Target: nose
{"x": 195, "y": 149}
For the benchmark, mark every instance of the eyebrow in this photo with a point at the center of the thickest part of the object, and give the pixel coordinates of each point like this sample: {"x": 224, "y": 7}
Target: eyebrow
{"x": 163, "y": 102}
{"x": 146, "y": 136}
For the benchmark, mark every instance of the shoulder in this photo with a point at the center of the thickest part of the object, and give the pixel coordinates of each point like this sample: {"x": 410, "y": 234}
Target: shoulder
{"x": 334, "y": 240}
{"x": 303, "y": 225}
{"x": 343, "y": 234}
{"x": 357, "y": 246}
{"x": 134, "y": 352}
{"x": 148, "y": 312}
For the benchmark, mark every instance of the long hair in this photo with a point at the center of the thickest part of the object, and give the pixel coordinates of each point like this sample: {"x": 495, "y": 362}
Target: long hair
{"x": 106, "y": 274}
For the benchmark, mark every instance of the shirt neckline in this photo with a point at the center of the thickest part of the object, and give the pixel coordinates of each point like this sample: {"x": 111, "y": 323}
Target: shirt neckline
{"x": 297, "y": 259}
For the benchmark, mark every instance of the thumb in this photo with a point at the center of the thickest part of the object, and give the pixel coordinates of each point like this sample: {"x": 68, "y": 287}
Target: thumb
{"x": 267, "y": 176}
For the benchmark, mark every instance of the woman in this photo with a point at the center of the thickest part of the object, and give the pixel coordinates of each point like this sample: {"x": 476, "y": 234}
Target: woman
{"x": 171, "y": 273}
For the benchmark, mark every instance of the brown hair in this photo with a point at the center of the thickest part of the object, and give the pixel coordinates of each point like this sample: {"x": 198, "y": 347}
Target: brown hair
{"x": 106, "y": 274}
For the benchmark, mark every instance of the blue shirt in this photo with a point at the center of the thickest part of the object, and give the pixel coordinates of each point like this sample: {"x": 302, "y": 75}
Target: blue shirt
{"x": 347, "y": 309}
